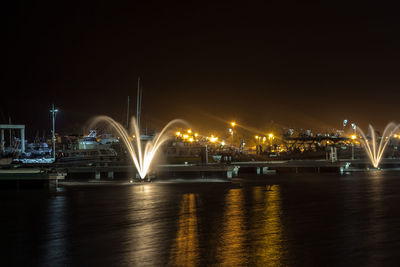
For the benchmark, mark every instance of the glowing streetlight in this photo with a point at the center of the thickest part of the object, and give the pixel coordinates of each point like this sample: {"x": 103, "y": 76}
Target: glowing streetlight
{"x": 189, "y": 131}
{"x": 213, "y": 139}
{"x": 233, "y": 124}
{"x": 271, "y": 137}
{"x": 353, "y": 137}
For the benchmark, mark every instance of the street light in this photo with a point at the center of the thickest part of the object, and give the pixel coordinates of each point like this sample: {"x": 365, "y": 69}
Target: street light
{"x": 233, "y": 124}
{"x": 271, "y": 137}
{"x": 54, "y": 111}
{"x": 353, "y": 137}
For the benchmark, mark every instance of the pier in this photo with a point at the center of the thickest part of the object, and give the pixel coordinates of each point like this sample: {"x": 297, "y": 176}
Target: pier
{"x": 160, "y": 171}
{"x": 30, "y": 178}
{"x": 48, "y": 176}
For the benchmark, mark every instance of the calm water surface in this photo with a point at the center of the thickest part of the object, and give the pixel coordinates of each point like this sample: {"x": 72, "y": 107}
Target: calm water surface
{"x": 306, "y": 220}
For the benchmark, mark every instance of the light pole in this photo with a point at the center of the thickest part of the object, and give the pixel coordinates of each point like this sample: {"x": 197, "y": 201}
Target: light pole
{"x": 231, "y": 130}
{"x": 54, "y": 111}
{"x": 353, "y": 137}
{"x": 271, "y": 137}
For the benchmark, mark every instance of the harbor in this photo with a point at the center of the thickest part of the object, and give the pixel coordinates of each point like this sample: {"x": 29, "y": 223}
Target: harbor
{"x": 196, "y": 133}
{"x": 183, "y": 154}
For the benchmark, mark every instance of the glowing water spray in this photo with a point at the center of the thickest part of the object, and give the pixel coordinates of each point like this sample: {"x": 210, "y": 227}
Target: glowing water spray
{"x": 141, "y": 158}
{"x": 374, "y": 150}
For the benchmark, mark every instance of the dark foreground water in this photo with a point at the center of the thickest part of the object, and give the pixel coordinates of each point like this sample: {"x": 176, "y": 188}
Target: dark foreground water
{"x": 306, "y": 220}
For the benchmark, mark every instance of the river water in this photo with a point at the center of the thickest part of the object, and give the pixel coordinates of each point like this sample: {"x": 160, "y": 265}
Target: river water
{"x": 304, "y": 220}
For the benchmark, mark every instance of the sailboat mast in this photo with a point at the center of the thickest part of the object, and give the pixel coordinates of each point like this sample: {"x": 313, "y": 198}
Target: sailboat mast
{"x": 127, "y": 115}
{"x": 138, "y": 103}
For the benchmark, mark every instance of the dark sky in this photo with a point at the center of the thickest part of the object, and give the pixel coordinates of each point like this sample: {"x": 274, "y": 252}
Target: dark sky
{"x": 299, "y": 65}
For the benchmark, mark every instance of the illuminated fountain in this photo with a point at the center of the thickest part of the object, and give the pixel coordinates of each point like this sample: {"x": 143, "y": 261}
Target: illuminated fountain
{"x": 374, "y": 150}
{"x": 141, "y": 158}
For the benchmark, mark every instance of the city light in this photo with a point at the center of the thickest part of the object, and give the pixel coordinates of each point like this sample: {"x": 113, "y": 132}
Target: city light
{"x": 189, "y": 131}
{"x": 233, "y": 124}
{"x": 353, "y": 137}
{"x": 178, "y": 133}
{"x": 213, "y": 139}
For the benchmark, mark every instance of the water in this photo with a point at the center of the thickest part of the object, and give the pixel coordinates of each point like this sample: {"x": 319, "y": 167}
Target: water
{"x": 306, "y": 220}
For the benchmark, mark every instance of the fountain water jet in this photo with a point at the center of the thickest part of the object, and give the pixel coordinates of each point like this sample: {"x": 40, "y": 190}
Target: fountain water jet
{"x": 374, "y": 150}
{"x": 142, "y": 159}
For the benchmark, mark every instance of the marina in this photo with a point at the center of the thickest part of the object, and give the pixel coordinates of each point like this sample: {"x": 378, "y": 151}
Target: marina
{"x": 196, "y": 133}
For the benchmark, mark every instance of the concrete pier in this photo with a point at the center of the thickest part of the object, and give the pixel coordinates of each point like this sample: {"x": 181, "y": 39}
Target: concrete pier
{"x": 169, "y": 170}
{"x": 29, "y": 178}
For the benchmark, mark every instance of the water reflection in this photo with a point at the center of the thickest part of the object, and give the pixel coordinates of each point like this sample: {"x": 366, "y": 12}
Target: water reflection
{"x": 55, "y": 248}
{"x": 184, "y": 251}
{"x": 232, "y": 247}
{"x": 147, "y": 227}
{"x": 268, "y": 247}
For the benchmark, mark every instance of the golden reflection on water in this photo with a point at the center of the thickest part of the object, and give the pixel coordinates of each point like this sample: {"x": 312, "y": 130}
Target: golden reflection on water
{"x": 231, "y": 247}
{"x": 268, "y": 249}
{"x": 184, "y": 251}
{"x": 144, "y": 230}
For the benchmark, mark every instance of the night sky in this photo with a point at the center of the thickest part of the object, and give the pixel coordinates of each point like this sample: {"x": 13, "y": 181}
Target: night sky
{"x": 296, "y": 65}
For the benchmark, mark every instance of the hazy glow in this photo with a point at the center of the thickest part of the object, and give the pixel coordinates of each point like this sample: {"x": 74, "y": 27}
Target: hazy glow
{"x": 141, "y": 158}
{"x": 375, "y": 151}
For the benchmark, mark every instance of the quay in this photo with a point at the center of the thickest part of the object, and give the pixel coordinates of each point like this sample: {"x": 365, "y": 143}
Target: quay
{"x": 30, "y": 178}
{"x": 49, "y": 175}
{"x": 211, "y": 170}
{"x": 168, "y": 170}
{"x": 285, "y": 166}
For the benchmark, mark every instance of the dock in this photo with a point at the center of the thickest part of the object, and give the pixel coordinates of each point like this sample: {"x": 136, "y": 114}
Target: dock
{"x": 30, "y": 178}
{"x": 223, "y": 171}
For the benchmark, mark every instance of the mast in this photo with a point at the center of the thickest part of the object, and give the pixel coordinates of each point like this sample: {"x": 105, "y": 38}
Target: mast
{"x": 138, "y": 103}
{"x": 127, "y": 115}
